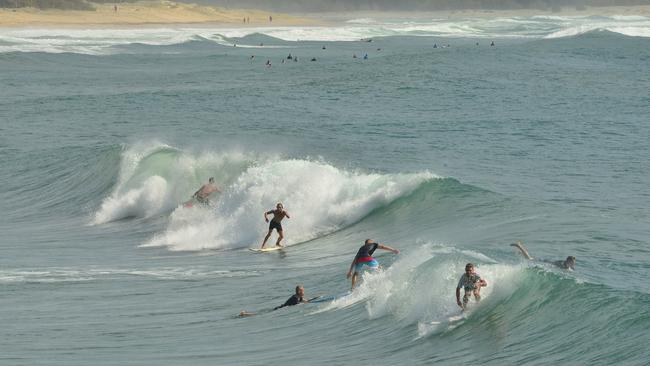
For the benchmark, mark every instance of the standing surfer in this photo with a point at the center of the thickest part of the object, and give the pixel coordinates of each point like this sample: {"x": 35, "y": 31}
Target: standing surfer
{"x": 278, "y": 214}
{"x": 364, "y": 258}
{"x": 471, "y": 282}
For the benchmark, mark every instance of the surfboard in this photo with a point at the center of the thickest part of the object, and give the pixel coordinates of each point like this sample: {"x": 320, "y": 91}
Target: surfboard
{"x": 327, "y": 298}
{"x": 268, "y": 249}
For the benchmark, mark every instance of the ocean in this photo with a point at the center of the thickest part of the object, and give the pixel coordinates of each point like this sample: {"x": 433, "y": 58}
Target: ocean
{"x": 447, "y": 153}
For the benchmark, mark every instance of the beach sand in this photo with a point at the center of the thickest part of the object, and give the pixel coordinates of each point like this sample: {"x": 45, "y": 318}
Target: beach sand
{"x": 145, "y": 13}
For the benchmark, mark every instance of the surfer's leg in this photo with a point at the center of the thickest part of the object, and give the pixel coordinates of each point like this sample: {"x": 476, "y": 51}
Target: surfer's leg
{"x": 466, "y": 299}
{"x": 280, "y": 237}
{"x": 354, "y": 279}
{"x": 477, "y": 294}
{"x": 266, "y": 238}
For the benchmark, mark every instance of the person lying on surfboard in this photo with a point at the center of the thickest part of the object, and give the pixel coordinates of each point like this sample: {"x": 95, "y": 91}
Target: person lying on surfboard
{"x": 471, "y": 282}
{"x": 569, "y": 263}
{"x": 278, "y": 214}
{"x": 201, "y": 196}
{"x": 297, "y": 298}
{"x": 364, "y": 258}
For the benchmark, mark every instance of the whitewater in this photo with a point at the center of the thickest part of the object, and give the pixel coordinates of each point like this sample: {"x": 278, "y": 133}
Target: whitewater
{"x": 449, "y": 154}
{"x": 109, "y": 41}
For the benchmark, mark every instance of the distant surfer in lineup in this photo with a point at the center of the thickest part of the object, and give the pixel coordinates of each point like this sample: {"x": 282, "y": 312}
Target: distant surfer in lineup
{"x": 364, "y": 258}
{"x": 297, "y": 298}
{"x": 471, "y": 282}
{"x": 278, "y": 214}
{"x": 569, "y": 263}
{"x": 203, "y": 194}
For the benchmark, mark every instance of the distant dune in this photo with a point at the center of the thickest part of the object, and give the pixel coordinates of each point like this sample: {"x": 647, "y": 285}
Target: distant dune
{"x": 144, "y": 13}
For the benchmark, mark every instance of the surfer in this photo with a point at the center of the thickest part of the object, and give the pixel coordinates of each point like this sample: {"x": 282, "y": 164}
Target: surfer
{"x": 471, "y": 282}
{"x": 205, "y": 191}
{"x": 278, "y": 214}
{"x": 364, "y": 258}
{"x": 297, "y": 298}
{"x": 569, "y": 263}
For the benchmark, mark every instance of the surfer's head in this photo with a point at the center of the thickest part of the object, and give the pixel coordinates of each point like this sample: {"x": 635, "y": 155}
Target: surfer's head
{"x": 469, "y": 268}
{"x": 368, "y": 241}
{"x": 570, "y": 262}
{"x": 279, "y": 205}
{"x": 211, "y": 180}
{"x": 300, "y": 291}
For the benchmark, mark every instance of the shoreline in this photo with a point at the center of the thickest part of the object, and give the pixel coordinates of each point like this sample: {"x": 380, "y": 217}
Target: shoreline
{"x": 147, "y": 14}
{"x": 156, "y": 13}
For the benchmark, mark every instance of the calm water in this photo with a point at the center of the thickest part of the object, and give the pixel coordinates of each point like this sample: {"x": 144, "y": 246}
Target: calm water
{"x": 448, "y": 154}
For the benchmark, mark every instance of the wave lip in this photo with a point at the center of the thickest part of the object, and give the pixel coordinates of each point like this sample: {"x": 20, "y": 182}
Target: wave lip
{"x": 319, "y": 197}
{"x": 154, "y": 178}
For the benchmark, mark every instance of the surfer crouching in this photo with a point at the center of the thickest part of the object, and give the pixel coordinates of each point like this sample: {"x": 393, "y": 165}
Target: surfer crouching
{"x": 471, "y": 282}
{"x": 205, "y": 191}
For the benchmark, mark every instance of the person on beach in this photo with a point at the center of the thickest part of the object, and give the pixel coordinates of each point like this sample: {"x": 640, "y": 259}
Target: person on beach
{"x": 471, "y": 282}
{"x": 297, "y": 298}
{"x": 569, "y": 263}
{"x": 278, "y": 214}
{"x": 205, "y": 191}
{"x": 364, "y": 258}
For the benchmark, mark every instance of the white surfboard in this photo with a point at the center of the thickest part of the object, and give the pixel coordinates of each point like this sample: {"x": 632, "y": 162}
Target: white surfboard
{"x": 264, "y": 250}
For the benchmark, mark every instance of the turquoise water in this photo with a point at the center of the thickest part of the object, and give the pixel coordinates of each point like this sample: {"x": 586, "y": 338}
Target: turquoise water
{"x": 448, "y": 154}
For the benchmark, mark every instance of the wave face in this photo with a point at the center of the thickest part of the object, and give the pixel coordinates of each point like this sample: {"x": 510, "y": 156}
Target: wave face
{"x": 447, "y": 154}
{"x": 319, "y": 197}
{"x": 110, "y": 41}
{"x": 154, "y": 178}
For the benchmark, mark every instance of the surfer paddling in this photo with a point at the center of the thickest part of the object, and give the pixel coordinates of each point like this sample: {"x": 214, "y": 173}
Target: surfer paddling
{"x": 203, "y": 194}
{"x": 297, "y": 298}
{"x": 569, "y": 263}
{"x": 364, "y": 258}
{"x": 278, "y": 214}
{"x": 471, "y": 282}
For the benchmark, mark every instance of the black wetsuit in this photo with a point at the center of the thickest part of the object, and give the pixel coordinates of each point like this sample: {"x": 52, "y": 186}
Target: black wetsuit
{"x": 293, "y": 300}
{"x": 366, "y": 251}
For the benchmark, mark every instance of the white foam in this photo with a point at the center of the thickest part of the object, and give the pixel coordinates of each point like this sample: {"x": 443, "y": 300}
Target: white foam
{"x": 102, "y": 41}
{"x": 55, "y": 275}
{"x": 419, "y": 287}
{"x": 154, "y": 178}
{"x": 319, "y": 197}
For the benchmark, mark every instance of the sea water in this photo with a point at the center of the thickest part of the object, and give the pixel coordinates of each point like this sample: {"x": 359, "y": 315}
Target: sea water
{"x": 448, "y": 154}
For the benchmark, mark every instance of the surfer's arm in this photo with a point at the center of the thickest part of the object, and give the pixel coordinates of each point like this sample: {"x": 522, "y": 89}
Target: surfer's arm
{"x": 458, "y": 297}
{"x": 352, "y": 266}
{"x": 522, "y": 249}
{"x": 287, "y": 214}
{"x": 386, "y": 247}
{"x": 267, "y": 213}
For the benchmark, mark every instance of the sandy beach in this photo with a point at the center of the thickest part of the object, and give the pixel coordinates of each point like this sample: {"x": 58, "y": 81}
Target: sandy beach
{"x": 145, "y": 13}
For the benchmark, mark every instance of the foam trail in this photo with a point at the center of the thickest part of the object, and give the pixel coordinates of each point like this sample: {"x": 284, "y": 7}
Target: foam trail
{"x": 319, "y": 197}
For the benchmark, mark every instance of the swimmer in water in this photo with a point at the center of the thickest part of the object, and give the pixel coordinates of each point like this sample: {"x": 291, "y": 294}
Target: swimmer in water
{"x": 569, "y": 263}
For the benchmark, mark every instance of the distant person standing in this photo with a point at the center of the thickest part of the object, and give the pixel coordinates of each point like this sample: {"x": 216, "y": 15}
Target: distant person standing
{"x": 115, "y": 7}
{"x": 270, "y": 19}
{"x": 278, "y": 214}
